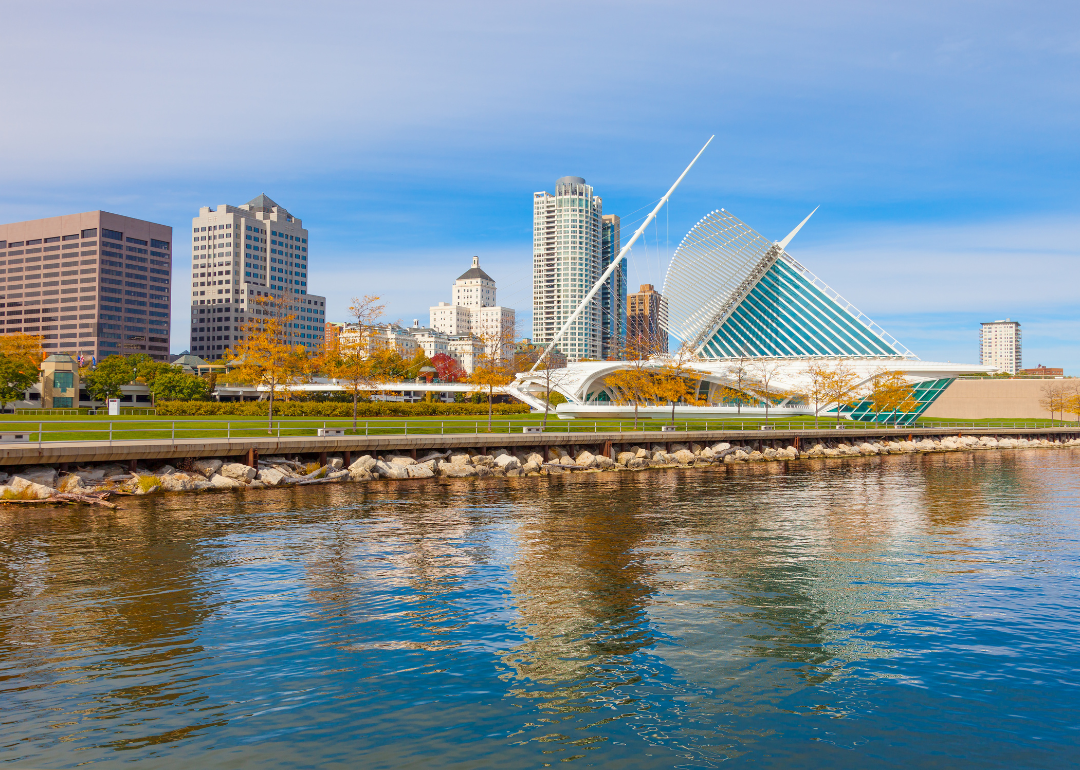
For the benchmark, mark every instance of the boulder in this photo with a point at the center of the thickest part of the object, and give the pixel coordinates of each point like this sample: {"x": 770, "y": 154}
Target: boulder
{"x": 359, "y": 474}
{"x": 336, "y": 463}
{"x": 769, "y": 453}
{"x": 91, "y": 476}
{"x": 483, "y": 460}
{"x": 459, "y": 458}
{"x": 39, "y": 474}
{"x": 270, "y": 477}
{"x": 507, "y": 462}
{"x": 566, "y": 460}
{"x": 625, "y": 457}
{"x": 391, "y": 471}
{"x": 720, "y": 447}
{"x": 71, "y": 483}
{"x": 26, "y": 488}
{"x": 604, "y": 463}
{"x": 178, "y": 482}
{"x": 434, "y": 456}
{"x": 207, "y": 467}
{"x": 637, "y": 464}
{"x": 217, "y": 481}
{"x": 457, "y": 471}
{"x": 238, "y": 472}
{"x": 365, "y": 463}
{"x": 530, "y": 467}
{"x": 164, "y": 470}
{"x": 482, "y": 471}
{"x": 420, "y": 471}
{"x": 683, "y": 457}
{"x": 401, "y": 460}
{"x": 586, "y": 460}
{"x": 535, "y": 457}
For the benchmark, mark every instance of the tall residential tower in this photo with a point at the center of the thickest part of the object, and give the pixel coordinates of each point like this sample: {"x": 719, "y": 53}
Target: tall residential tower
{"x": 93, "y": 283}
{"x": 613, "y": 292}
{"x": 1000, "y": 345}
{"x": 242, "y": 255}
{"x": 567, "y": 261}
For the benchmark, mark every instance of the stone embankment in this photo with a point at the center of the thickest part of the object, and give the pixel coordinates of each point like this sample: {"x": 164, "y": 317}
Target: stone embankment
{"x": 95, "y": 484}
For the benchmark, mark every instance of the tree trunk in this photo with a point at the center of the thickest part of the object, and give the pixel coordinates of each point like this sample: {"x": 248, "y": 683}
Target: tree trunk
{"x": 355, "y": 396}
{"x": 270, "y": 425}
{"x": 490, "y": 389}
{"x": 635, "y": 415}
{"x": 672, "y": 414}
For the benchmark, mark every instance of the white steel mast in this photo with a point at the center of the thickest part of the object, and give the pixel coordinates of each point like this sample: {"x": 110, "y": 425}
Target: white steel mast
{"x": 615, "y": 262}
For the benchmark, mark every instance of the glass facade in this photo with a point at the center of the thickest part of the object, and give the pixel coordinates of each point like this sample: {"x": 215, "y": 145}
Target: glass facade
{"x": 924, "y": 394}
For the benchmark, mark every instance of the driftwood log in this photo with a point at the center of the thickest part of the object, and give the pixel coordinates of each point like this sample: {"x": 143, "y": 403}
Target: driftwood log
{"x": 89, "y": 498}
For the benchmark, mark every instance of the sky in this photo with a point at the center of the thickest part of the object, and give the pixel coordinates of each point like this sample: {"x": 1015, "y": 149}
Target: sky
{"x": 938, "y": 139}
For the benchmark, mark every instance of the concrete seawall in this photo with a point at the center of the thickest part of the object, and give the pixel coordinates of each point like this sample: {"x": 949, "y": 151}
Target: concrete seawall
{"x": 248, "y": 450}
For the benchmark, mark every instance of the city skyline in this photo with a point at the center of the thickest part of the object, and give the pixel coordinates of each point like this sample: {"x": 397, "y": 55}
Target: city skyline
{"x": 946, "y": 180}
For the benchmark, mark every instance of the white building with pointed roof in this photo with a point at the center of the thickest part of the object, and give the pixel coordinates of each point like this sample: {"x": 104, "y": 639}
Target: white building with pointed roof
{"x": 474, "y": 311}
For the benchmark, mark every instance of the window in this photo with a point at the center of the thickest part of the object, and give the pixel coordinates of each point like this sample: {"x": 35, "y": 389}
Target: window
{"x": 34, "y": 242}
{"x": 159, "y": 244}
{"x": 63, "y": 380}
{"x": 116, "y": 236}
{"x": 53, "y": 240}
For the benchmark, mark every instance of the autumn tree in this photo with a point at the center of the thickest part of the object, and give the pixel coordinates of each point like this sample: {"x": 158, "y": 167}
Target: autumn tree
{"x": 890, "y": 392}
{"x": 739, "y": 373}
{"x": 351, "y": 362}
{"x": 551, "y": 377}
{"x": 265, "y": 355}
{"x": 494, "y": 369}
{"x": 631, "y": 385}
{"x": 20, "y": 365}
{"x": 677, "y": 380}
{"x": 842, "y": 386}
{"x": 447, "y": 369}
{"x": 1053, "y": 399}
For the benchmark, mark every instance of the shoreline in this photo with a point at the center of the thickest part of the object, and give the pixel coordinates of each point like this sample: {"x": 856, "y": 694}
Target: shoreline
{"x": 45, "y": 484}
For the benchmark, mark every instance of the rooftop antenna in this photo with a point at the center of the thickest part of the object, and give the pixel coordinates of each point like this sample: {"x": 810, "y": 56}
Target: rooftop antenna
{"x": 622, "y": 255}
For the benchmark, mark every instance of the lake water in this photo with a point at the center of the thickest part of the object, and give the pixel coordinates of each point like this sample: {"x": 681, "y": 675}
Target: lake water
{"x": 893, "y": 612}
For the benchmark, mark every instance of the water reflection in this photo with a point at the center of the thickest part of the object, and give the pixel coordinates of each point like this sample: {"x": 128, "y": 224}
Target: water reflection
{"x": 777, "y": 613}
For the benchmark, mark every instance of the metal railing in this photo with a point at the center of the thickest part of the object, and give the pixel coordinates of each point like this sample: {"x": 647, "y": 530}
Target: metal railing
{"x": 109, "y": 430}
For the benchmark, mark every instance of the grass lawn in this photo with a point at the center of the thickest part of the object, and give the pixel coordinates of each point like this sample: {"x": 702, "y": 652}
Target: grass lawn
{"x": 102, "y": 427}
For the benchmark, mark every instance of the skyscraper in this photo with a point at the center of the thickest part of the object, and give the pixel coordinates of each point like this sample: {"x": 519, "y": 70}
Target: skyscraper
{"x": 567, "y": 245}
{"x": 646, "y": 323}
{"x": 473, "y": 311}
{"x": 93, "y": 283}
{"x": 999, "y": 345}
{"x": 243, "y": 254}
{"x": 613, "y": 292}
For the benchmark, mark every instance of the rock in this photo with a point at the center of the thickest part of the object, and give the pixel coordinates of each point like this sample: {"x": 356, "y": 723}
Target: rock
{"x": 683, "y": 457}
{"x": 483, "y": 460}
{"x": 71, "y": 483}
{"x": 207, "y": 467}
{"x": 769, "y": 453}
{"x": 256, "y": 484}
{"x": 400, "y": 460}
{"x": 508, "y": 462}
{"x": 586, "y": 460}
{"x": 637, "y": 464}
{"x": 419, "y": 471}
{"x": 164, "y": 470}
{"x": 434, "y": 456}
{"x": 91, "y": 476}
{"x": 39, "y": 474}
{"x": 271, "y": 477}
{"x": 336, "y": 463}
{"x": 625, "y": 457}
{"x": 391, "y": 471}
{"x": 482, "y": 471}
{"x": 200, "y": 484}
{"x": 25, "y": 488}
{"x": 217, "y": 481}
{"x": 457, "y": 471}
{"x": 459, "y": 458}
{"x": 604, "y": 463}
{"x": 238, "y": 472}
{"x": 721, "y": 446}
{"x": 535, "y": 457}
{"x": 178, "y": 482}
{"x": 365, "y": 463}
{"x": 514, "y": 472}
{"x": 499, "y": 453}
{"x": 530, "y": 467}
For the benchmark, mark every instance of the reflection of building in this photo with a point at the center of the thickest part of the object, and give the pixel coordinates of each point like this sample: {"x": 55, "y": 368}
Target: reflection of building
{"x": 473, "y": 311}
{"x": 645, "y": 321}
{"x": 999, "y": 345}
{"x": 613, "y": 292}
{"x": 746, "y": 312}
{"x": 242, "y": 255}
{"x": 567, "y": 242}
{"x": 108, "y": 290}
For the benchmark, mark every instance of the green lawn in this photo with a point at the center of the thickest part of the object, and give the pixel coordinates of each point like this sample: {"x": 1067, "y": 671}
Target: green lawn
{"x": 102, "y": 427}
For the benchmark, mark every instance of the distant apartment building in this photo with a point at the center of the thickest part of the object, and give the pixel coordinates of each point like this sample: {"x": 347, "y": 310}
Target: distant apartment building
{"x": 331, "y": 332}
{"x": 474, "y": 311}
{"x": 245, "y": 256}
{"x": 567, "y": 261}
{"x": 646, "y": 325}
{"x": 1042, "y": 371}
{"x": 999, "y": 345}
{"x": 613, "y": 292}
{"x": 466, "y": 349}
{"x": 93, "y": 283}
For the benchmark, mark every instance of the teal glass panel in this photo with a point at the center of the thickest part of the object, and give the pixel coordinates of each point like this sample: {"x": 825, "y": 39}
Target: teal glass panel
{"x": 62, "y": 402}
{"x": 925, "y": 393}
{"x": 786, "y": 315}
{"x": 63, "y": 380}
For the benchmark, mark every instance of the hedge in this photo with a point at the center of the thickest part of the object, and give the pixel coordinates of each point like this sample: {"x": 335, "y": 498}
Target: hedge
{"x": 329, "y": 409}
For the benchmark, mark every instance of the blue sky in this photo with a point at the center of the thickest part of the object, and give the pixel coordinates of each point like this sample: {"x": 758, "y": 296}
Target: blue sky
{"x": 940, "y": 139}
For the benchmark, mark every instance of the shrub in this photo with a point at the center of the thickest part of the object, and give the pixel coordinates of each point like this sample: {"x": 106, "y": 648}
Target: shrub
{"x": 328, "y": 409}
{"x": 148, "y": 483}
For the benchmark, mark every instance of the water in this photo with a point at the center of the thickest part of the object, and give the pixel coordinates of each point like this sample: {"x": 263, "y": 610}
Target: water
{"x": 869, "y": 613}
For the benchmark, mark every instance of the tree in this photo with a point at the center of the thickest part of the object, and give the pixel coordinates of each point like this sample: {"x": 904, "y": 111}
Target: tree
{"x": 174, "y": 384}
{"x": 841, "y": 387}
{"x": 552, "y": 377}
{"x": 16, "y": 375}
{"x": 105, "y": 380}
{"x": 1053, "y": 399}
{"x": 739, "y": 371}
{"x": 352, "y": 362}
{"x": 631, "y": 385}
{"x": 765, "y": 372}
{"x": 264, "y": 354}
{"x": 672, "y": 382}
{"x": 891, "y": 392}
{"x": 494, "y": 369}
{"x": 447, "y": 369}
{"x": 817, "y": 392}
{"x": 22, "y": 347}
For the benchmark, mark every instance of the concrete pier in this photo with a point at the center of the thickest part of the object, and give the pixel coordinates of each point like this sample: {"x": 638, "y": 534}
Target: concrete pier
{"x": 248, "y": 450}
